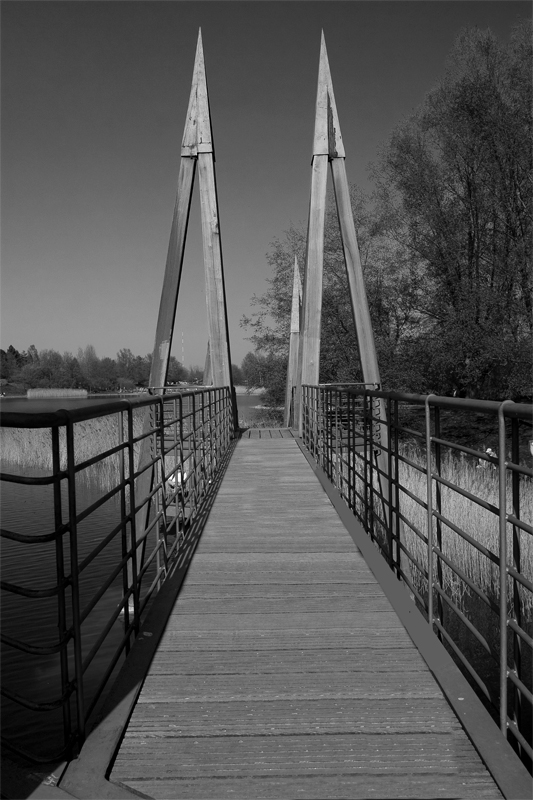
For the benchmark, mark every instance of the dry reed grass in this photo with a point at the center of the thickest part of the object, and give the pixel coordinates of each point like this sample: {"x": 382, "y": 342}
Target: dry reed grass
{"x": 481, "y": 524}
{"x": 32, "y": 447}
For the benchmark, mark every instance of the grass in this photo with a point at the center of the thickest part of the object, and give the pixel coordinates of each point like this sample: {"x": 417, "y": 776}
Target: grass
{"x": 480, "y": 523}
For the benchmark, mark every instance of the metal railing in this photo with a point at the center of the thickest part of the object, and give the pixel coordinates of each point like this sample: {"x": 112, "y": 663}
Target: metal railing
{"x": 452, "y": 519}
{"x": 188, "y": 435}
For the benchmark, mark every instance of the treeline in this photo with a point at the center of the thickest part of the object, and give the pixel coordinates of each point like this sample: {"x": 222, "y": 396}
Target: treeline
{"x": 33, "y": 369}
{"x": 43, "y": 369}
{"x": 445, "y": 242}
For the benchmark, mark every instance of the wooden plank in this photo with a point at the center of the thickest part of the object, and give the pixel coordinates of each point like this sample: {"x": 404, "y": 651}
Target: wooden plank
{"x": 321, "y": 787}
{"x": 285, "y": 605}
{"x": 302, "y": 755}
{"x": 256, "y": 718}
{"x": 334, "y": 659}
{"x": 287, "y": 686}
{"x": 309, "y": 639}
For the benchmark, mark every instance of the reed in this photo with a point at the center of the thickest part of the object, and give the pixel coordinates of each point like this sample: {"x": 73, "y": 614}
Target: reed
{"x": 480, "y": 523}
{"x": 48, "y": 393}
{"x": 31, "y": 448}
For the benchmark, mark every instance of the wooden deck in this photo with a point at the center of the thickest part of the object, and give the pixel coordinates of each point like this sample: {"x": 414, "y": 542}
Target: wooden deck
{"x": 284, "y": 671}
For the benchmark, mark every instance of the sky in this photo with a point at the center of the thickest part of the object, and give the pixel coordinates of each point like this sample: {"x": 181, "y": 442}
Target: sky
{"x": 93, "y": 99}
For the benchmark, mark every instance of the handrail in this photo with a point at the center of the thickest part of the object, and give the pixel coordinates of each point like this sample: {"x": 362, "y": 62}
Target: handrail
{"x": 189, "y": 434}
{"x": 468, "y": 577}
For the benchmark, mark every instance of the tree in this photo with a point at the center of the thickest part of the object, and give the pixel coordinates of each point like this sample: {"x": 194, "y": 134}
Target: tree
{"x": 456, "y": 180}
{"x": 238, "y": 377}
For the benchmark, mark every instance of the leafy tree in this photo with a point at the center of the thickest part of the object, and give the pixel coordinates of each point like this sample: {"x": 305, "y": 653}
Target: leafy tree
{"x": 238, "y": 377}
{"x": 456, "y": 181}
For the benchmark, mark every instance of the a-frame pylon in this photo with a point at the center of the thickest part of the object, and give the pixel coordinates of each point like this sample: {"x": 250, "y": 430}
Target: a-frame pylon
{"x": 328, "y": 147}
{"x": 197, "y": 150}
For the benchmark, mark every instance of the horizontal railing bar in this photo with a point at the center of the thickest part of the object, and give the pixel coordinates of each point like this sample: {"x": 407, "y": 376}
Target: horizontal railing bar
{"x": 464, "y": 493}
{"x": 459, "y": 572}
{"x": 519, "y": 523}
{"x": 525, "y": 692}
{"x": 413, "y": 527}
{"x": 520, "y": 578}
{"x": 481, "y": 639}
{"x": 32, "y": 704}
{"x": 21, "y": 590}
{"x": 34, "y": 649}
{"x": 98, "y": 643}
{"x": 418, "y": 500}
{"x": 520, "y": 631}
{"x": 46, "y": 480}
{"x": 101, "y": 500}
{"x": 104, "y": 587}
{"x": 466, "y": 664}
{"x": 420, "y": 567}
{"x": 29, "y": 539}
{"x": 464, "y": 535}
{"x": 512, "y": 727}
{"x": 103, "y": 544}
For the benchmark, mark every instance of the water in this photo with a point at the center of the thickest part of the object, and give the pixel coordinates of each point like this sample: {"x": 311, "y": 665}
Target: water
{"x": 247, "y": 405}
{"x": 29, "y": 510}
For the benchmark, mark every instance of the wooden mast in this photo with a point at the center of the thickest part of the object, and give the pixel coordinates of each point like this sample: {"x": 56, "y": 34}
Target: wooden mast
{"x": 294, "y": 344}
{"x": 328, "y": 146}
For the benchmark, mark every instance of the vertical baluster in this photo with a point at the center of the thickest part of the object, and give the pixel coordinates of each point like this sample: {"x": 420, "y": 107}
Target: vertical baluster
{"x": 61, "y": 598}
{"x": 395, "y": 478}
{"x": 389, "y": 515}
{"x": 74, "y": 575}
{"x": 429, "y": 503}
{"x": 502, "y": 496}
{"x": 123, "y": 529}
{"x": 516, "y": 612}
{"x": 133, "y": 566}
{"x": 438, "y": 498}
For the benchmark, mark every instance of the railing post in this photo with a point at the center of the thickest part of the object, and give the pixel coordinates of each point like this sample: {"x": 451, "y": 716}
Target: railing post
{"x": 395, "y": 479}
{"x": 389, "y": 516}
{"x": 502, "y": 502}
{"x": 429, "y": 504}
{"x": 133, "y": 585}
{"x": 438, "y": 497}
{"x": 367, "y": 447}
{"x": 517, "y": 603}
{"x": 123, "y": 532}
{"x": 74, "y": 576}
{"x": 61, "y": 599}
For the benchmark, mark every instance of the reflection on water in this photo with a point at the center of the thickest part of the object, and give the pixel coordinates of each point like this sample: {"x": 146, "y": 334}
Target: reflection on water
{"x": 29, "y": 510}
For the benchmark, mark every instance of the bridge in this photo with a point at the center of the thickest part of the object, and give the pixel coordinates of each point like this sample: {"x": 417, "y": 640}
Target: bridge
{"x": 286, "y": 612}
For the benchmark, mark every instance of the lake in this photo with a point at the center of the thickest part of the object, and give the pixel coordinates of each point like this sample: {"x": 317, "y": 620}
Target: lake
{"x": 29, "y": 510}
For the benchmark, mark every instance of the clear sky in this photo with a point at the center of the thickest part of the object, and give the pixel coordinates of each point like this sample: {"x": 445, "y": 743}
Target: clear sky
{"x": 94, "y": 97}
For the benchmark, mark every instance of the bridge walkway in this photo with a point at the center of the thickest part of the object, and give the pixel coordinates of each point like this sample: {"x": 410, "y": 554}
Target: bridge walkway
{"x": 284, "y": 670}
